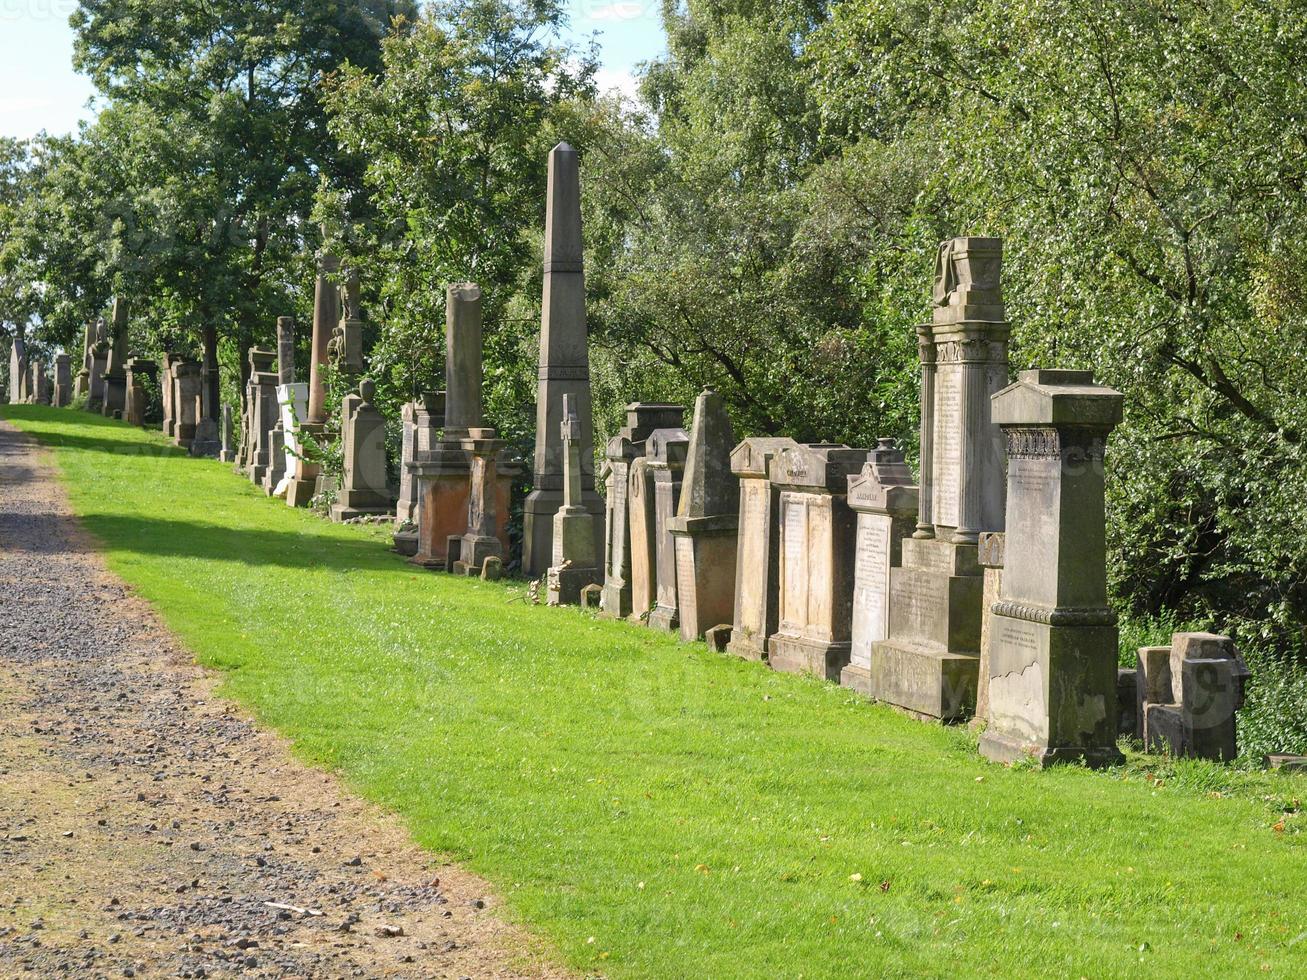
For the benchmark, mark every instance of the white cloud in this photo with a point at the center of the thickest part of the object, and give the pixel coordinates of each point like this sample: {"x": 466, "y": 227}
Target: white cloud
{"x": 608, "y": 79}
{"x": 624, "y": 10}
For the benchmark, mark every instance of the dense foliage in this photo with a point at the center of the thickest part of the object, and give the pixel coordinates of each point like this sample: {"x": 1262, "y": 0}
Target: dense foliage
{"x": 762, "y": 220}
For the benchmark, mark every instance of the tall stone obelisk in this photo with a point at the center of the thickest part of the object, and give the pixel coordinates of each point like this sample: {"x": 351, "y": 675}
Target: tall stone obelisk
{"x": 564, "y": 367}
{"x": 326, "y": 311}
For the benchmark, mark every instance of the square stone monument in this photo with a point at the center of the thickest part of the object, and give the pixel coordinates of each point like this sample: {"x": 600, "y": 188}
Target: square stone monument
{"x": 930, "y": 663}
{"x": 886, "y": 502}
{"x": 263, "y": 414}
{"x": 576, "y": 554}
{"x": 491, "y": 475}
{"x": 187, "y": 373}
{"x": 665, "y": 455}
{"x": 642, "y": 418}
{"x": 364, "y": 488}
{"x": 818, "y": 535}
{"x": 757, "y": 560}
{"x": 706, "y": 523}
{"x": 63, "y": 381}
{"x": 1053, "y": 652}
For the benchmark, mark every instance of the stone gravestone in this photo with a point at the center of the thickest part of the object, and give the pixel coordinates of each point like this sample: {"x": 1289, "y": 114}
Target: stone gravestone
{"x": 168, "y": 393}
{"x": 406, "y": 504}
{"x": 275, "y": 474}
{"x": 665, "y": 462}
{"x": 642, "y": 418}
{"x": 992, "y": 549}
{"x": 642, "y": 522}
{"x": 262, "y": 414}
{"x": 17, "y": 371}
{"x": 706, "y": 523}
{"x": 489, "y": 496}
{"x": 115, "y": 366}
{"x": 346, "y": 345}
{"x": 757, "y": 573}
{"x": 140, "y": 370}
{"x": 364, "y": 488}
{"x": 886, "y": 502}
{"x": 187, "y": 373}
{"x": 576, "y": 557}
{"x": 930, "y": 663}
{"x": 82, "y": 382}
{"x": 303, "y": 482}
{"x": 1189, "y": 694}
{"x": 818, "y": 535}
{"x": 99, "y": 358}
{"x": 63, "y": 381}
{"x": 564, "y": 365}
{"x": 228, "y": 452}
{"x": 1053, "y": 653}
{"x": 41, "y": 394}
{"x": 208, "y": 434}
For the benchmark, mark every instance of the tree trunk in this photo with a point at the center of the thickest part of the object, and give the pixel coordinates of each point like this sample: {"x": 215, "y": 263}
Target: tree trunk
{"x": 209, "y": 372}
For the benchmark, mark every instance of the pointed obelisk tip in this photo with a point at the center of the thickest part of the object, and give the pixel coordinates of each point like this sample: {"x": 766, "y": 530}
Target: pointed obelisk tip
{"x": 563, "y": 147}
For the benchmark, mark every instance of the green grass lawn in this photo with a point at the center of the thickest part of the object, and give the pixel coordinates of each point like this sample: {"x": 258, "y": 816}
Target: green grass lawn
{"x": 660, "y": 811}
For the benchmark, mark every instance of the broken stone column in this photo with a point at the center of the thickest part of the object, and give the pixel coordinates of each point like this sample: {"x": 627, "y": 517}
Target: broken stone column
{"x": 1189, "y": 694}
{"x": 706, "y": 523}
{"x": 757, "y": 561}
{"x": 887, "y": 504}
{"x": 1053, "y": 639}
{"x": 364, "y": 487}
{"x": 99, "y": 359}
{"x": 140, "y": 373}
{"x": 930, "y": 663}
{"x": 187, "y": 373}
{"x": 564, "y": 365}
{"x": 115, "y": 367}
{"x": 491, "y": 483}
{"x": 63, "y": 381}
{"x": 818, "y": 535}
{"x": 665, "y": 466}
{"x": 642, "y": 418}
{"x": 576, "y": 557}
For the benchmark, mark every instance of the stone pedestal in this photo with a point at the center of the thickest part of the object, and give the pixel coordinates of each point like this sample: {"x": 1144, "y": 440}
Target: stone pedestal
{"x": 564, "y": 366}
{"x": 1053, "y": 645}
{"x": 364, "y": 489}
{"x": 444, "y": 483}
{"x": 63, "y": 381}
{"x": 757, "y": 556}
{"x": 665, "y": 466}
{"x": 426, "y": 416}
{"x": 187, "y": 374}
{"x": 930, "y": 662}
{"x": 886, "y": 502}
{"x": 642, "y": 418}
{"x": 228, "y": 452}
{"x": 576, "y": 556}
{"x": 346, "y": 344}
{"x": 490, "y": 495}
{"x": 817, "y": 538}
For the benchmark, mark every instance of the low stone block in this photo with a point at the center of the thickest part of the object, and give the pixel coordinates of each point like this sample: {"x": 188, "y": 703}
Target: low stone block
{"x": 1286, "y": 763}
{"x": 492, "y": 569}
{"x": 591, "y": 596}
{"x": 929, "y": 682}
{"x": 718, "y": 638}
{"x": 1127, "y": 691}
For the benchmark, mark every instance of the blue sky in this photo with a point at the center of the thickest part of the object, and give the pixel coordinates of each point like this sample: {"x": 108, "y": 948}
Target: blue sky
{"x": 39, "y": 89}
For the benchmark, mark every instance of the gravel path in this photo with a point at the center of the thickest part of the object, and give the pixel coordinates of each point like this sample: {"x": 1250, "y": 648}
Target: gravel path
{"x": 146, "y": 825}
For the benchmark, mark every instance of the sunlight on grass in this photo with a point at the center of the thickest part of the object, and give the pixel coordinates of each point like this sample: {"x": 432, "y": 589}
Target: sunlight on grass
{"x": 661, "y": 811}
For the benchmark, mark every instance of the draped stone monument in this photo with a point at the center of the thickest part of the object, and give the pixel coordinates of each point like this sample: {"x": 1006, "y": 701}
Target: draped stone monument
{"x": 757, "y": 573}
{"x": 63, "y": 381}
{"x": 706, "y": 522}
{"x": 576, "y": 555}
{"x": 642, "y": 418}
{"x": 886, "y": 502}
{"x": 302, "y": 485}
{"x": 818, "y": 535}
{"x": 929, "y": 664}
{"x": 1053, "y": 653}
{"x": 364, "y": 488}
{"x": 346, "y": 344}
{"x": 564, "y": 365}
{"x": 115, "y": 365}
{"x": 665, "y": 459}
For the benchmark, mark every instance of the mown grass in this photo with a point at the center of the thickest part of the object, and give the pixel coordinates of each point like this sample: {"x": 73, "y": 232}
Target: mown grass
{"x": 660, "y": 811}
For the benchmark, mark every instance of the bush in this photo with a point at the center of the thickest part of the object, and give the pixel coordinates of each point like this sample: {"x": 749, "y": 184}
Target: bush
{"x": 1274, "y": 718}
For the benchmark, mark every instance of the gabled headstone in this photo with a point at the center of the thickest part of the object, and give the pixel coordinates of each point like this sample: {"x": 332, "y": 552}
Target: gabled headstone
{"x": 1053, "y": 654}
{"x": 706, "y": 522}
{"x": 818, "y": 535}
{"x": 364, "y": 489}
{"x": 665, "y": 461}
{"x": 757, "y": 572}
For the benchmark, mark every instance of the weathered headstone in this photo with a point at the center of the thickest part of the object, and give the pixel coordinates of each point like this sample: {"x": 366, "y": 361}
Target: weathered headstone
{"x": 930, "y": 663}
{"x": 168, "y": 393}
{"x": 140, "y": 373}
{"x": 489, "y": 492}
{"x": 757, "y": 569}
{"x": 1053, "y": 650}
{"x": 115, "y": 365}
{"x": 262, "y": 414}
{"x": 818, "y": 535}
{"x": 886, "y": 502}
{"x": 17, "y": 371}
{"x": 346, "y": 345}
{"x": 666, "y": 450}
{"x": 992, "y": 554}
{"x": 643, "y": 534}
{"x": 407, "y": 503}
{"x": 63, "y": 381}
{"x": 291, "y": 404}
{"x": 187, "y": 373}
{"x": 642, "y": 418}
{"x": 1189, "y": 694}
{"x": 576, "y": 557}
{"x": 564, "y": 365}
{"x": 364, "y": 488}
{"x": 99, "y": 358}
{"x": 40, "y": 385}
{"x": 706, "y": 522}
{"x": 82, "y": 381}
{"x": 303, "y": 483}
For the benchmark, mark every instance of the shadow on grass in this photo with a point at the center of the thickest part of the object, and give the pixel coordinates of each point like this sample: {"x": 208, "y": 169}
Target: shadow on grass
{"x": 118, "y": 446}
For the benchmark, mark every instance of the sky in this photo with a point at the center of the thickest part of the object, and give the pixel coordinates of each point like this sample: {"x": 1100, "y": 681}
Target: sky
{"x": 39, "y": 89}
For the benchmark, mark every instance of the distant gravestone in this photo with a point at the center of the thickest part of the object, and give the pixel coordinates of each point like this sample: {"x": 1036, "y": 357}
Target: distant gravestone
{"x": 140, "y": 372}
{"x": 187, "y": 373}
{"x": 818, "y": 533}
{"x": 115, "y": 364}
{"x": 168, "y": 393}
{"x": 993, "y": 553}
{"x": 642, "y": 523}
{"x": 407, "y": 503}
{"x": 757, "y": 562}
{"x": 642, "y": 418}
{"x": 63, "y": 381}
{"x": 883, "y": 496}
{"x": 1053, "y": 652}
{"x": 292, "y": 404}
{"x": 99, "y": 358}
{"x": 17, "y": 371}
{"x": 488, "y": 501}
{"x": 364, "y": 491}
{"x": 82, "y": 381}
{"x": 666, "y": 465}
{"x": 262, "y": 414}
{"x": 576, "y": 559}
{"x": 1188, "y": 696}
{"x": 706, "y": 522}
{"x": 228, "y": 452}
